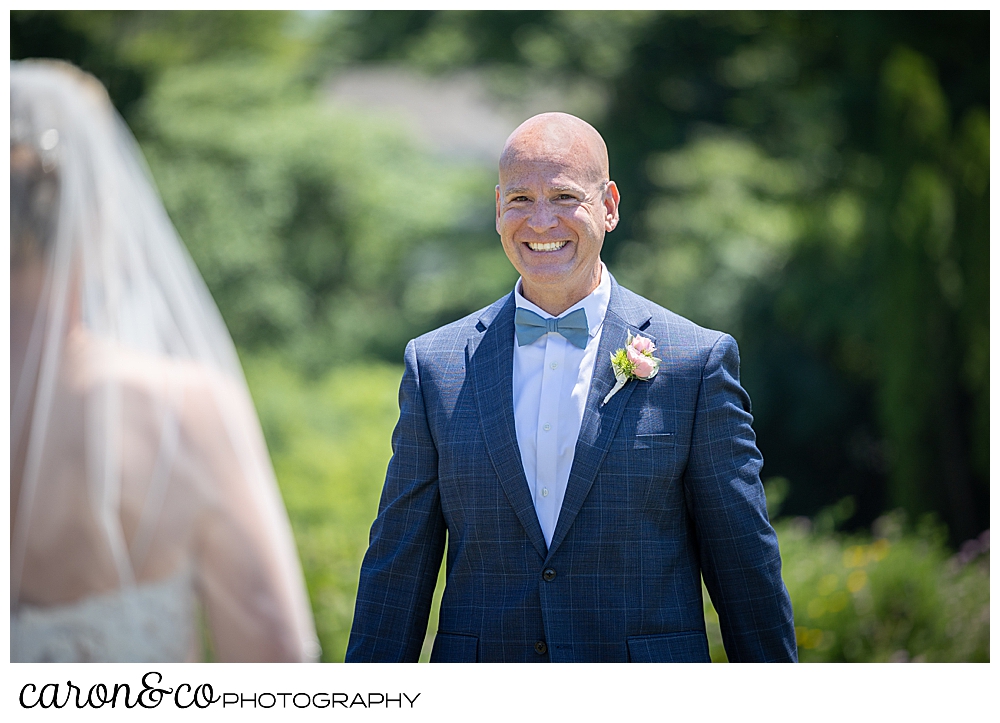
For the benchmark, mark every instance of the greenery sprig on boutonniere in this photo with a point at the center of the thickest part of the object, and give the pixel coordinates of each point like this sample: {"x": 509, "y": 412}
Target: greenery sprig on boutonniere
{"x": 635, "y": 361}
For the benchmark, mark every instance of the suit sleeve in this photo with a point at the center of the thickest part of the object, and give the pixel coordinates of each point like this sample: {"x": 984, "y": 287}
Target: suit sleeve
{"x": 400, "y": 569}
{"x": 737, "y": 545}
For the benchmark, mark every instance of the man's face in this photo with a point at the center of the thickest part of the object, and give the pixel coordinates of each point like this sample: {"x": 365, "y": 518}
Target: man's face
{"x": 552, "y": 214}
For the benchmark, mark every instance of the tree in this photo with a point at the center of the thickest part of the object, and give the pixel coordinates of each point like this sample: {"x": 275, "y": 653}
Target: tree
{"x": 816, "y": 183}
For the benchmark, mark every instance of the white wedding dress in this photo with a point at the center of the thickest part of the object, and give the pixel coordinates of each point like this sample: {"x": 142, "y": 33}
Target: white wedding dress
{"x": 142, "y": 496}
{"x": 147, "y": 623}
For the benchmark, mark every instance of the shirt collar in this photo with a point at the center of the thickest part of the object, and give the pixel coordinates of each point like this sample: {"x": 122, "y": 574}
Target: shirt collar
{"x": 595, "y": 304}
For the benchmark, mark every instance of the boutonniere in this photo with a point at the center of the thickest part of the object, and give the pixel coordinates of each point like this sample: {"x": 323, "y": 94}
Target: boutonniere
{"x": 635, "y": 361}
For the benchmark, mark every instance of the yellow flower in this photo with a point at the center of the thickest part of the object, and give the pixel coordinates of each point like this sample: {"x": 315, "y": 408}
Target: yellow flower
{"x": 854, "y": 556}
{"x": 828, "y": 584}
{"x": 816, "y": 608}
{"x": 879, "y": 549}
{"x": 808, "y": 638}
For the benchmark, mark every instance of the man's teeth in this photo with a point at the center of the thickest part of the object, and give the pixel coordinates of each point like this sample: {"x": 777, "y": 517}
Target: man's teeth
{"x": 553, "y": 246}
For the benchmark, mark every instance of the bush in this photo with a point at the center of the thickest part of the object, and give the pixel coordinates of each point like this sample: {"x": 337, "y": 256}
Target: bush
{"x": 888, "y": 596}
{"x": 330, "y": 443}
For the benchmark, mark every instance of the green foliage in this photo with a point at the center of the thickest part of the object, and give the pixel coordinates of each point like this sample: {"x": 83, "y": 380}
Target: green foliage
{"x": 128, "y": 49}
{"x": 623, "y": 367}
{"x": 728, "y": 215}
{"x": 931, "y": 318}
{"x": 160, "y": 39}
{"x": 329, "y": 440}
{"x": 318, "y": 231}
{"x": 877, "y": 598}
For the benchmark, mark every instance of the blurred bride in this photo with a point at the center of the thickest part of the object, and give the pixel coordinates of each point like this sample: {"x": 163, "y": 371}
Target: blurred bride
{"x": 144, "y": 510}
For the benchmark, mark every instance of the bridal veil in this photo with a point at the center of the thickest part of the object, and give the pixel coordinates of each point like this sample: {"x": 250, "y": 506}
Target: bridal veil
{"x": 143, "y": 503}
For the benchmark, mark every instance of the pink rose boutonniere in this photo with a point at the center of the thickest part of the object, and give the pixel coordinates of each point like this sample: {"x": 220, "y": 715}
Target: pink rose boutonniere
{"x": 635, "y": 361}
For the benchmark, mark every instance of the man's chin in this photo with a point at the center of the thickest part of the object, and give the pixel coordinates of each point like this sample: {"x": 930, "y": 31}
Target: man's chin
{"x": 553, "y": 278}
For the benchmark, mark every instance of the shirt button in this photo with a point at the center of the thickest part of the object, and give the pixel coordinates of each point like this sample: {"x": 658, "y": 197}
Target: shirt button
{"x": 554, "y": 365}
{"x": 549, "y": 575}
{"x": 546, "y": 427}
{"x": 545, "y": 491}
{"x": 541, "y": 647}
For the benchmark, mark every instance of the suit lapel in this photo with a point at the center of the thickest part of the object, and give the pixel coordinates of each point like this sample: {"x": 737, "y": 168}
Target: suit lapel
{"x": 600, "y": 422}
{"x": 491, "y": 367}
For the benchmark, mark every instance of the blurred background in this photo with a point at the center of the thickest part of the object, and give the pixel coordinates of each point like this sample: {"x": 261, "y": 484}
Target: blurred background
{"x": 815, "y": 183}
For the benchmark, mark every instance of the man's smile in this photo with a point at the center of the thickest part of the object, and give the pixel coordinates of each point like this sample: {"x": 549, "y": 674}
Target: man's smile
{"x": 548, "y": 246}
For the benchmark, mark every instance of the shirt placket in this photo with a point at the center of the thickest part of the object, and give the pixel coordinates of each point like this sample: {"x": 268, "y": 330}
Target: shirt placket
{"x": 546, "y": 444}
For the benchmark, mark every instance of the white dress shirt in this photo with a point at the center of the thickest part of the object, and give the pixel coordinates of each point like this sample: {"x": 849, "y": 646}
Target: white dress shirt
{"x": 551, "y": 384}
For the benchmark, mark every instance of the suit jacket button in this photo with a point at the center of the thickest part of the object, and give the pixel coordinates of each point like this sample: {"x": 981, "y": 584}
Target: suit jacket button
{"x": 541, "y": 647}
{"x": 549, "y": 575}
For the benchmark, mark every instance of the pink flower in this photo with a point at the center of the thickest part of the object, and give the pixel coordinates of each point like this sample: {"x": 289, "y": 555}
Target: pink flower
{"x": 635, "y": 361}
{"x": 645, "y": 366}
{"x": 642, "y": 345}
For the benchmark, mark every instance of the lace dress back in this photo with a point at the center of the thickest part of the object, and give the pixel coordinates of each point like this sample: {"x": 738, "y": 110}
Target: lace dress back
{"x": 145, "y": 623}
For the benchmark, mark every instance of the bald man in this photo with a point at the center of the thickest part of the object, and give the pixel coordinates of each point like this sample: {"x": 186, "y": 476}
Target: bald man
{"x": 582, "y": 501}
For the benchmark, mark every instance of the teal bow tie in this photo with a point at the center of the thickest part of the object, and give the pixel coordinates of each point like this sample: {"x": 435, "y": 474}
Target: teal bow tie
{"x": 528, "y": 326}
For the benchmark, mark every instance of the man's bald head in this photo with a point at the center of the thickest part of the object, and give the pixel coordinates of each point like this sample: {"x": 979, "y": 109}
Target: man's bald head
{"x": 558, "y": 138}
{"x": 555, "y": 202}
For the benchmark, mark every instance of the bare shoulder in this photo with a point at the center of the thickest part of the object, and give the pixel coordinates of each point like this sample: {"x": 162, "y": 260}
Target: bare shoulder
{"x": 212, "y": 408}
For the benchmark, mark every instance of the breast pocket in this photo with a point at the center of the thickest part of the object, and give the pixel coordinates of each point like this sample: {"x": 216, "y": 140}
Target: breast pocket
{"x": 653, "y": 440}
{"x": 641, "y": 472}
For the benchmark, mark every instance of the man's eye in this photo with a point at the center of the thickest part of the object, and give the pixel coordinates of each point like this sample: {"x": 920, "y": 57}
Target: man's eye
{"x": 519, "y": 199}
{"x": 565, "y": 197}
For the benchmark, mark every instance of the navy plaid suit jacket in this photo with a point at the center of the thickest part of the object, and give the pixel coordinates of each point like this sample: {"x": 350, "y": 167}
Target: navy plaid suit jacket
{"x": 664, "y": 489}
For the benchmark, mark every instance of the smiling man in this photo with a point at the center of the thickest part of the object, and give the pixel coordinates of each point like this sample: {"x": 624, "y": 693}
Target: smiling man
{"x": 554, "y": 204}
{"x": 582, "y": 499}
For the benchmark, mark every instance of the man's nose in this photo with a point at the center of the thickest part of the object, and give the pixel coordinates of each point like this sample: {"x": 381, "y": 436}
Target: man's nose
{"x": 542, "y": 217}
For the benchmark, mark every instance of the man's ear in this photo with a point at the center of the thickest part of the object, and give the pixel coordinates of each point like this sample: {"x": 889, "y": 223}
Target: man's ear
{"x": 611, "y": 201}
{"x": 498, "y": 210}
